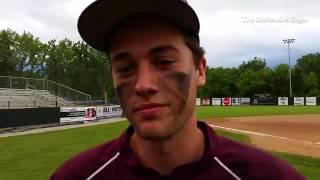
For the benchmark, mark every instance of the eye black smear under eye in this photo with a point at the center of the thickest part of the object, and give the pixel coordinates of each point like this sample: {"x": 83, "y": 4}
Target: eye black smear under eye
{"x": 123, "y": 91}
{"x": 182, "y": 81}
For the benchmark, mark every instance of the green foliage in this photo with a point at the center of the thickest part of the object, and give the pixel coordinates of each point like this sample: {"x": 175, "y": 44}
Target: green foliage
{"x": 7, "y": 58}
{"x": 255, "y": 82}
{"x": 220, "y": 82}
{"x": 254, "y": 77}
{"x": 256, "y": 64}
{"x": 280, "y": 80}
{"x": 73, "y": 64}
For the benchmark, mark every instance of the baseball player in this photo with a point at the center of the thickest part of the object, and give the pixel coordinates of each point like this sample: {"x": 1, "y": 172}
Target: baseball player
{"x": 157, "y": 66}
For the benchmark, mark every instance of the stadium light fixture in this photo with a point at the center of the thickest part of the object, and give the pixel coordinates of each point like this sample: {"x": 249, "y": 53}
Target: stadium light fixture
{"x": 289, "y": 41}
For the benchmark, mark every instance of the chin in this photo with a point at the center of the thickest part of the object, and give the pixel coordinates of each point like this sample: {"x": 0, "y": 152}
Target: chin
{"x": 152, "y": 136}
{"x": 153, "y": 133}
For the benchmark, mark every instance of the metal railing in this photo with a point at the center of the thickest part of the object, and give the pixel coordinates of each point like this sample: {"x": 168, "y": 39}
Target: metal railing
{"x": 58, "y": 90}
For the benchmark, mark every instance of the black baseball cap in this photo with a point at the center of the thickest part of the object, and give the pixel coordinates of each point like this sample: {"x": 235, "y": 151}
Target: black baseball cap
{"x": 97, "y": 21}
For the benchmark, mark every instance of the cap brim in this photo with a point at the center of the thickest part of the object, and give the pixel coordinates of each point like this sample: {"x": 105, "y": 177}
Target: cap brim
{"x": 99, "y": 18}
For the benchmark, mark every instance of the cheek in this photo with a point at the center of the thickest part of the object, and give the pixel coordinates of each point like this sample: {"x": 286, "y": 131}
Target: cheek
{"x": 124, "y": 90}
{"x": 178, "y": 83}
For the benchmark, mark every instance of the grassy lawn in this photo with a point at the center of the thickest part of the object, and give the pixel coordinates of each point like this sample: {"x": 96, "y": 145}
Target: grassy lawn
{"x": 242, "y": 111}
{"x": 309, "y": 167}
{"x": 37, "y": 156}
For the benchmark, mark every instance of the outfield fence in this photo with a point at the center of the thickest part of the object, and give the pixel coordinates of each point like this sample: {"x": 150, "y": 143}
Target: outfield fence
{"x": 258, "y": 100}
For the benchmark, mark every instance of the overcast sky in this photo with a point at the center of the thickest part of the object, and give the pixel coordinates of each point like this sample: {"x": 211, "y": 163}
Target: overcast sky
{"x": 231, "y": 30}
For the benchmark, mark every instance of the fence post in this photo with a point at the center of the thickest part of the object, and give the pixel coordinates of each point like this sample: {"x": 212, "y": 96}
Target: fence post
{"x": 10, "y": 79}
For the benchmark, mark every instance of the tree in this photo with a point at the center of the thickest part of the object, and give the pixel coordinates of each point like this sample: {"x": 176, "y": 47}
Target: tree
{"x": 280, "y": 80}
{"x": 7, "y": 57}
{"x": 255, "y": 82}
{"x": 308, "y": 67}
{"x": 254, "y": 64}
{"x": 220, "y": 82}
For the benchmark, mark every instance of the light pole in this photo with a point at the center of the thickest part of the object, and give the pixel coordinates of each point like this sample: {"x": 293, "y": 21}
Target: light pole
{"x": 288, "y": 41}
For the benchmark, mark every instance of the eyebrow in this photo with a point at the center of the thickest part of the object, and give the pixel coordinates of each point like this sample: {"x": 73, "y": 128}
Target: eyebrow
{"x": 162, "y": 49}
{"x": 120, "y": 56}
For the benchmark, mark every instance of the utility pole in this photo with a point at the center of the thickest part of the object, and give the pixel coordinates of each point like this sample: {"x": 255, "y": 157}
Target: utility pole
{"x": 289, "y": 41}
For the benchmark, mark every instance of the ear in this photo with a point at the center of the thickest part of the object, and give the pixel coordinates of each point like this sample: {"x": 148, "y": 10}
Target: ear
{"x": 201, "y": 72}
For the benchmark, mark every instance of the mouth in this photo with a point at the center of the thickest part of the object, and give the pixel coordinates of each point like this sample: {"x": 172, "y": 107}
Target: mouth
{"x": 148, "y": 109}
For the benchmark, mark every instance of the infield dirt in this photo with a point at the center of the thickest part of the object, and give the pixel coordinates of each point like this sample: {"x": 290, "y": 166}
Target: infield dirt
{"x": 297, "y": 134}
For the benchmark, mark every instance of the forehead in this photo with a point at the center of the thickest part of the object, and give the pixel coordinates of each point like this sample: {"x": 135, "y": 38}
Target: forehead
{"x": 144, "y": 30}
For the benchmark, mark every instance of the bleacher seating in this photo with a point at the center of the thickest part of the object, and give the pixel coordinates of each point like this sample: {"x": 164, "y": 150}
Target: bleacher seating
{"x": 28, "y": 98}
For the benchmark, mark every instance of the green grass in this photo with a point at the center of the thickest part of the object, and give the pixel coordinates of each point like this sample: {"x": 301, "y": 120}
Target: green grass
{"x": 243, "y": 111}
{"x": 37, "y": 156}
{"x": 237, "y": 137}
{"x": 309, "y": 167}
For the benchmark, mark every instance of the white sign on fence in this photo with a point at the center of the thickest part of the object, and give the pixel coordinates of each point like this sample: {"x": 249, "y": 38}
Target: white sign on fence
{"x": 108, "y": 111}
{"x": 198, "y": 102}
{"x": 311, "y": 101}
{"x": 298, "y": 101}
{"x": 245, "y": 101}
{"x": 282, "y": 101}
{"x": 236, "y": 102}
{"x": 72, "y": 114}
{"x": 216, "y": 101}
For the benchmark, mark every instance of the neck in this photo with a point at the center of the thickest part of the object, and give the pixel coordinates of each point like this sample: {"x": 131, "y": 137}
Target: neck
{"x": 184, "y": 147}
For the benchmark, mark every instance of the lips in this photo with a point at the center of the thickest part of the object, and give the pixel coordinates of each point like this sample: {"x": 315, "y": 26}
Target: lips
{"x": 149, "y": 106}
{"x": 150, "y": 109}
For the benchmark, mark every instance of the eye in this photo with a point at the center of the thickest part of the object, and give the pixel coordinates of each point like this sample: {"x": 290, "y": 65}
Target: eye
{"x": 164, "y": 62}
{"x": 124, "y": 70}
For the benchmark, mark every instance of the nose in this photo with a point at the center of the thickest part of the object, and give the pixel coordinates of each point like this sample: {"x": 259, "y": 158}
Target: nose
{"x": 145, "y": 82}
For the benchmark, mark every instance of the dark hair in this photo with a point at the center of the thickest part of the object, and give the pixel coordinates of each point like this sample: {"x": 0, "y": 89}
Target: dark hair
{"x": 197, "y": 51}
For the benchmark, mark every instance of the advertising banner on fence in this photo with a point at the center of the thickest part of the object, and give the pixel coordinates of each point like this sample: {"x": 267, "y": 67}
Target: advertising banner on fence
{"x": 298, "y": 101}
{"x": 108, "y": 111}
{"x": 216, "y": 101}
{"x": 245, "y": 101}
{"x": 205, "y": 101}
{"x": 236, "y": 102}
{"x": 72, "y": 114}
{"x": 264, "y": 99}
{"x": 311, "y": 101}
{"x": 226, "y": 101}
{"x": 198, "y": 102}
{"x": 283, "y": 101}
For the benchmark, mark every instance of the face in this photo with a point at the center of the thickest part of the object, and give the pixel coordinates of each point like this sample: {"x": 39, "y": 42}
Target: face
{"x": 155, "y": 77}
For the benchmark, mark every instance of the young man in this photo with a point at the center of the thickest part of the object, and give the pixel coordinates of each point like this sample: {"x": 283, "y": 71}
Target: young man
{"x": 157, "y": 66}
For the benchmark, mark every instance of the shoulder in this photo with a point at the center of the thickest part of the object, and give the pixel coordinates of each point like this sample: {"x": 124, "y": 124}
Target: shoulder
{"x": 251, "y": 162}
{"x": 85, "y": 163}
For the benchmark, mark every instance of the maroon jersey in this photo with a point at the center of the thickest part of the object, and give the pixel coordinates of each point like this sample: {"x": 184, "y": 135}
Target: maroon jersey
{"x": 223, "y": 159}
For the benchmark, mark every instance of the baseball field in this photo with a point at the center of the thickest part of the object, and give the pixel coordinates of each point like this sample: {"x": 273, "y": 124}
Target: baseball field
{"x": 290, "y": 133}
